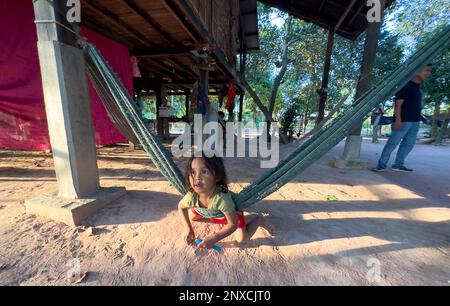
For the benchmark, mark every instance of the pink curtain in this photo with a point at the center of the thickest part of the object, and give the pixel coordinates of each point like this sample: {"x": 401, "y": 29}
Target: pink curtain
{"x": 23, "y": 123}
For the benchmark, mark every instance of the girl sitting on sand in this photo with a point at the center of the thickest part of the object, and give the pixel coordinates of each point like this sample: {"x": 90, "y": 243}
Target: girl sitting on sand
{"x": 209, "y": 200}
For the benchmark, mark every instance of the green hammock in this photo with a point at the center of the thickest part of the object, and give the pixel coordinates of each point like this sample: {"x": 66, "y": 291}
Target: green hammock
{"x": 118, "y": 101}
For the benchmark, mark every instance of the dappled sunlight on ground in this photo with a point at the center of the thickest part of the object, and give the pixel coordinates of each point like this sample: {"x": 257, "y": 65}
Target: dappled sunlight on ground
{"x": 323, "y": 228}
{"x": 432, "y": 214}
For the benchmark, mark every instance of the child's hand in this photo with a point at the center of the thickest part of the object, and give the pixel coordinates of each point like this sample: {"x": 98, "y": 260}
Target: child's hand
{"x": 207, "y": 243}
{"x": 190, "y": 237}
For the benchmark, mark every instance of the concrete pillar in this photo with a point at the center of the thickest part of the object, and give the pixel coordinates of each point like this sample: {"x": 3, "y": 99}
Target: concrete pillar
{"x": 67, "y": 107}
{"x": 352, "y": 150}
{"x": 69, "y": 119}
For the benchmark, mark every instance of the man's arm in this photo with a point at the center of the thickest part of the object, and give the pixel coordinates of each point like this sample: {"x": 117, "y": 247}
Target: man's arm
{"x": 398, "y": 114}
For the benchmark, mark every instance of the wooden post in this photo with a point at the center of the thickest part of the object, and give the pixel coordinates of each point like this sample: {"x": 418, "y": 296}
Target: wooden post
{"x": 160, "y": 101}
{"x": 323, "y": 91}
{"x": 186, "y": 105}
{"x": 242, "y": 72}
{"x": 204, "y": 81}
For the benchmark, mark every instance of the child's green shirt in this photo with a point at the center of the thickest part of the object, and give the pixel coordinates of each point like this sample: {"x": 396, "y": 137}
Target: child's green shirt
{"x": 221, "y": 204}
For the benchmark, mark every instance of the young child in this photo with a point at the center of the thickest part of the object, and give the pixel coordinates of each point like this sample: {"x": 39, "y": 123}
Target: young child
{"x": 209, "y": 200}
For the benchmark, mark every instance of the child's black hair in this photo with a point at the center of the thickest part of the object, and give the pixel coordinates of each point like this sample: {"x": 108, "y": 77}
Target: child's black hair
{"x": 215, "y": 165}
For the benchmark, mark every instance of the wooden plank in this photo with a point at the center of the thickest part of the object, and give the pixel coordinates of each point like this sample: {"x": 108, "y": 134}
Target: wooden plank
{"x": 157, "y": 70}
{"x": 158, "y": 52}
{"x": 107, "y": 33}
{"x": 106, "y": 13}
{"x": 150, "y": 21}
{"x": 162, "y": 68}
{"x": 181, "y": 66}
{"x": 171, "y": 6}
{"x": 341, "y": 20}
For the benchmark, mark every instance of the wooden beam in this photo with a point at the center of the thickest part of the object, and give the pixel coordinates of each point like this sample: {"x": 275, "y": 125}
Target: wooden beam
{"x": 162, "y": 68}
{"x": 158, "y": 52}
{"x": 190, "y": 82}
{"x": 150, "y": 21}
{"x": 196, "y": 22}
{"x": 178, "y": 71}
{"x": 321, "y": 6}
{"x": 313, "y": 18}
{"x": 357, "y": 12}
{"x": 183, "y": 93}
{"x": 184, "y": 8}
{"x": 182, "y": 67}
{"x": 171, "y": 6}
{"x": 249, "y": 13}
{"x": 107, "y": 33}
{"x": 251, "y": 34}
{"x": 206, "y": 36}
{"x": 163, "y": 72}
{"x": 341, "y": 20}
{"x": 103, "y": 11}
{"x": 298, "y": 13}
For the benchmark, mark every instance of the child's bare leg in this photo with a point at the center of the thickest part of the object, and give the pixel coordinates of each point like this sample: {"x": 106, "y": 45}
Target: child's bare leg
{"x": 252, "y": 223}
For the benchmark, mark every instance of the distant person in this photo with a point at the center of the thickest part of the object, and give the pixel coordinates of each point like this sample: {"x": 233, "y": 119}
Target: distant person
{"x": 221, "y": 118}
{"x": 407, "y": 117}
{"x": 376, "y": 125}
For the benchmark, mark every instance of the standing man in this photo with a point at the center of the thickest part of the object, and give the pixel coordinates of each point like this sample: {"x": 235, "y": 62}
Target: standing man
{"x": 407, "y": 117}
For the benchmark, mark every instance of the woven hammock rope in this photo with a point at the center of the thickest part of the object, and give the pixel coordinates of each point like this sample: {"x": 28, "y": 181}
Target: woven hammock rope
{"x": 122, "y": 110}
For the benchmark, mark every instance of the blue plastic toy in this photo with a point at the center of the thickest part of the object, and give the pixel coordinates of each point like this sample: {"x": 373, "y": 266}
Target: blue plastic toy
{"x": 217, "y": 248}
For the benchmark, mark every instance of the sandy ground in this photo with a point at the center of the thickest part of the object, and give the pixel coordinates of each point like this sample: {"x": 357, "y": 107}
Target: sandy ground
{"x": 329, "y": 226}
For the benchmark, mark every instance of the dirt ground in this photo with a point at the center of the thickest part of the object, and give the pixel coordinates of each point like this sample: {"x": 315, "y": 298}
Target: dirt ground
{"x": 329, "y": 226}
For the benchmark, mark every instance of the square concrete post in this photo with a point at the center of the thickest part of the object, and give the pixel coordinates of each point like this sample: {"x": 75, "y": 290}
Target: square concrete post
{"x": 69, "y": 119}
{"x": 67, "y": 105}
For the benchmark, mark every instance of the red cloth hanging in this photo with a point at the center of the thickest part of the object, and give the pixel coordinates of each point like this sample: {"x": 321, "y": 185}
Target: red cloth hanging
{"x": 231, "y": 95}
{"x": 23, "y": 122}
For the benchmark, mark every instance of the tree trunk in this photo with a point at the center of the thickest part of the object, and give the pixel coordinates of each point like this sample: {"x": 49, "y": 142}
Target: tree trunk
{"x": 323, "y": 91}
{"x": 444, "y": 129}
{"x": 368, "y": 63}
{"x": 305, "y": 121}
{"x": 434, "y": 128}
{"x": 279, "y": 78}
